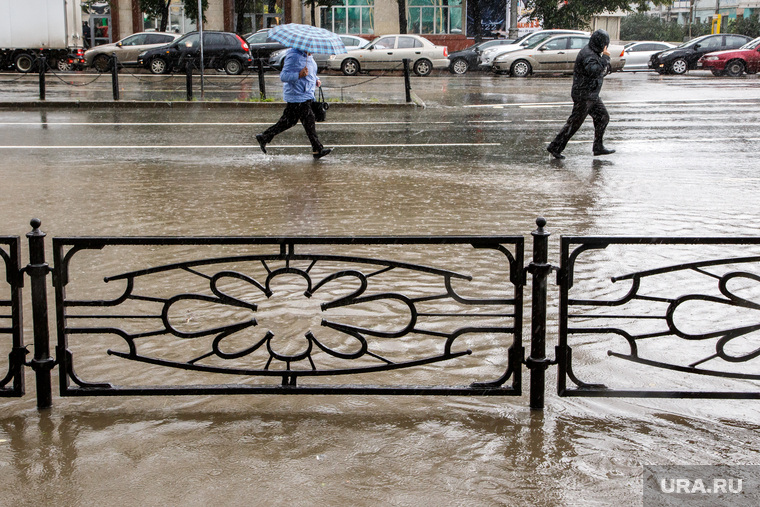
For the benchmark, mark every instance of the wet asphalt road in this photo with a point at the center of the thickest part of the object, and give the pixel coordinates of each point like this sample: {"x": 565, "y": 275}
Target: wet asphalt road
{"x": 472, "y": 162}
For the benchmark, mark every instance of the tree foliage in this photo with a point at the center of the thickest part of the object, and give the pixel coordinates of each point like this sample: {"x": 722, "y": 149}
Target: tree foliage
{"x": 578, "y": 13}
{"x": 746, "y": 26}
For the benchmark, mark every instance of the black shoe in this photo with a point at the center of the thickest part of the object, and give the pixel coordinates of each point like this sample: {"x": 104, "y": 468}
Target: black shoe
{"x": 262, "y": 143}
{"x": 602, "y": 151}
{"x": 555, "y": 153}
{"x": 322, "y": 153}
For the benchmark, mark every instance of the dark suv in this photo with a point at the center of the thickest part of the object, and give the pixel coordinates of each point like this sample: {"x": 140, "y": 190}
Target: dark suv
{"x": 684, "y": 57}
{"x": 221, "y": 50}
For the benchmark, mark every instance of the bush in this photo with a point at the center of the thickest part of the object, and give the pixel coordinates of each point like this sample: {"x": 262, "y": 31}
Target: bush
{"x": 746, "y": 26}
{"x": 644, "y": 26}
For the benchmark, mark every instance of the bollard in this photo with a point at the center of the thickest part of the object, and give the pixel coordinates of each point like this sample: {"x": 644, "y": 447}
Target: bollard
{"x": 38, "y": 270}
{"x": 540, "y": 269}
{"x": 262, "y": 85}
{"x": 407, "y": 82}
{"x": 189, "y": 79}
{"x": 42, "y": 62}
{"x": 115, "y": 76}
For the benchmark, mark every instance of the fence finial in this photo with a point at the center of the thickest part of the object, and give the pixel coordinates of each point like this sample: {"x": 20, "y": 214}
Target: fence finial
{"x": 540, "y": 222}
{"x": 35, "y": 223}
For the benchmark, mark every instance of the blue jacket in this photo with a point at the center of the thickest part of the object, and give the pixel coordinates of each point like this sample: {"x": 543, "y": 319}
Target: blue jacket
{"x": 297, "y": 89}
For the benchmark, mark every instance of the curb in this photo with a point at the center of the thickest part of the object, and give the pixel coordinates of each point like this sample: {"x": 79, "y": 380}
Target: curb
{"x": 128, "y": 104}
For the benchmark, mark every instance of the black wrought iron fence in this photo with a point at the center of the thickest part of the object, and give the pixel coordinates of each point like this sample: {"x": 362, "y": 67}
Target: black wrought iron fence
{"x": 638, "y": 317}
{"x": 11, "y": 325}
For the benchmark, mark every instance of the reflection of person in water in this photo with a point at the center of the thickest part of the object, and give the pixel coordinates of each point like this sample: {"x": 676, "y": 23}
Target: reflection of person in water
{"x": 86, "y": 34}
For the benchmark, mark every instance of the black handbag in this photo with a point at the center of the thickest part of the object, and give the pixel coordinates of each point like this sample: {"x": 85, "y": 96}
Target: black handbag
{"x": 320, "y": 107}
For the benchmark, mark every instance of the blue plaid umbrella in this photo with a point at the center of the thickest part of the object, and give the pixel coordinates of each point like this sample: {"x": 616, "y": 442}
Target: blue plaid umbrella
{"x": 308, "y": 38}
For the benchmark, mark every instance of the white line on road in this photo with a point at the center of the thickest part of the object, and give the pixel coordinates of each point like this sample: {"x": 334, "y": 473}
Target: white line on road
{"x": 235, "y": 123}
{"x": 235, "y": 146}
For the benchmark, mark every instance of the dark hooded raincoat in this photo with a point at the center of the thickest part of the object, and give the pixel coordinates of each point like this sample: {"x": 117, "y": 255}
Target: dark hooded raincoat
{"x": 588, "y": 75}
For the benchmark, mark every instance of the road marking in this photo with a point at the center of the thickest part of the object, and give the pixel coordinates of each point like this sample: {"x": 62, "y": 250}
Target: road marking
{"x": 180, "y": 124}
{"x": 528, "y": 105}
{"x": 235, "y": 146}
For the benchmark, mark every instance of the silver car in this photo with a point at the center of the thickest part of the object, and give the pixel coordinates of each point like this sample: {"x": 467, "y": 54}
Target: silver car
{"x": 388, "y": 52}
{"x": 555, "y": 55}
{"x": 126, "y": 49}
{"x": 350, "y": 41}
{"x": 637, "y": 54}
{"x": 487, "y": 57}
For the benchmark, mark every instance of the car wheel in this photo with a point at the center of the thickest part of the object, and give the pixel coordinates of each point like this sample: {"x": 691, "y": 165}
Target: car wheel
{"x": 459, "y": 66}
{"x": 233, "y": 67}
{"x": 158, "y": 66}
{"x": 521, "y": 68}
{"x": 102, "y": 63}
{"x": 735, "y": 68}
{"x": 63, "y": 65}
{"x": 679, "y": 66}
{"x": 718, "y": 73}
{"x": 349, "y": 67}
{"x": 423, "y": 67}
{"x": 24, "y": 62}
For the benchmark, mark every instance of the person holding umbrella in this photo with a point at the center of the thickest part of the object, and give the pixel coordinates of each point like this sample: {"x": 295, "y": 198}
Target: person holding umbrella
{"x": 299, "y": 77}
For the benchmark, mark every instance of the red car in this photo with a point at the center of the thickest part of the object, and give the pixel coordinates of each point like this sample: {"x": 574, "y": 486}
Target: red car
{"x": 734, "y": 61}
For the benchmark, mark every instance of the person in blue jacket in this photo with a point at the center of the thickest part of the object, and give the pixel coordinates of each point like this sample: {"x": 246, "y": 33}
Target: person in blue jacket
{"x": 299, "y": 77}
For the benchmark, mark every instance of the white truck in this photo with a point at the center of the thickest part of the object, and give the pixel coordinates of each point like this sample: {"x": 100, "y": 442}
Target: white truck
{"x": 33, "y": 28}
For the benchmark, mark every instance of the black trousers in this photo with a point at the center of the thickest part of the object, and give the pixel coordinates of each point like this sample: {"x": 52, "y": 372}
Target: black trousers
{"x": 294, "y": 112}
{"x": 581, "y": 109}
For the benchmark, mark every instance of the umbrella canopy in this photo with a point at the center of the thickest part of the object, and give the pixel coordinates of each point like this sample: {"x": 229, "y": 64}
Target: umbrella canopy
{"x": 308, "y": 38}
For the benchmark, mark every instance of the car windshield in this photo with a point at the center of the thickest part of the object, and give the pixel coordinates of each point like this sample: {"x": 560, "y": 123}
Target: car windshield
{"x": 690, "y": 43}
{"x": 751, "y": 44}
{"x": 536, "y": 40}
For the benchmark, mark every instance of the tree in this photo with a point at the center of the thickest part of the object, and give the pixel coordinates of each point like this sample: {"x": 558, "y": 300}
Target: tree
{"x": 241, "y": 8}
{"x": 578, "y": 13}
{"x": 158, "y": 9}
{"x": 402, "y": 16}
{"x": 746, "y": 26}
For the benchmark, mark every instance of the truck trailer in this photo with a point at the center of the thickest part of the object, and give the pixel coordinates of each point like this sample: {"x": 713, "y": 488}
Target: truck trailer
{"x": 33, "y": 28}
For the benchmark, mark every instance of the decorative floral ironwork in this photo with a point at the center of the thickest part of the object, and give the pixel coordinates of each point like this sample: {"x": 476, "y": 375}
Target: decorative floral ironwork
{"x": 239, "y": 344}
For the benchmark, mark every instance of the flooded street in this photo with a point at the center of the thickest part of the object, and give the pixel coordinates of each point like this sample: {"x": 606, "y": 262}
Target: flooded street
{"x": 473, "y": 162}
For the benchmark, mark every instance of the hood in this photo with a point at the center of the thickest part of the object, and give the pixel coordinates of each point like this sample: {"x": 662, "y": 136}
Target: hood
{"x": 599, "y": 40}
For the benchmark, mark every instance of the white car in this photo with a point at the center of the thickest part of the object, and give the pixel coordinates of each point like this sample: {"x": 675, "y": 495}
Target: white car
{"x": 388, "y": 52}
{"x": 555, "y": 55}
{"x": 488, "y": 56}
{"x": 127, "y": 49}
{"x": 277, "y": 58}
{"x": 637, "y": 54}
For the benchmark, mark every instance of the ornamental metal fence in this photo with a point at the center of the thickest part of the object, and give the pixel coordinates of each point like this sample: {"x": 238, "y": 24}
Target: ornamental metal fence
{"x": 429, "y": 315}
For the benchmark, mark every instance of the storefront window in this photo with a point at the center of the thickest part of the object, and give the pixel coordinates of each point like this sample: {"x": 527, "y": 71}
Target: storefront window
{"x": 434, "y": 16}
{"x": 352, "y": 17}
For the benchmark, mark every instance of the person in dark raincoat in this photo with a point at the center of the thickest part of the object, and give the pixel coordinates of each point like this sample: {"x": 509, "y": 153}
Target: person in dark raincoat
{"x": 299, "y": 77}
{"x": 591, "y": 65}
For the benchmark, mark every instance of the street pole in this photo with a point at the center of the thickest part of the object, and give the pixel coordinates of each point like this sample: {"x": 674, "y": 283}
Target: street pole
{"x": 200, "y": 32}
{"x": 513, "y": 6}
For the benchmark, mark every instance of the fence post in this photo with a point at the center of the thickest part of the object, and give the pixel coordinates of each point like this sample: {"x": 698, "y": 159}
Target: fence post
{"x": 540, "y": 269}
{"x": 115, "y": 76}
{"x": 407, "y": 82}
{"x": 189, "y": 79}
{"x": 262, "y": 84}
{"x": 37, "y": 270}
{"x": 42, "y": 62}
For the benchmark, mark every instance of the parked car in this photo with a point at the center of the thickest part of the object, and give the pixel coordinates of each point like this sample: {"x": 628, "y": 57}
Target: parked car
{"x": 262, "y": 46}
{"x": 637, "y": 54}
{"x": 556, "y": 54}
{"x": 388, "y": 52}
{"x": 350, "y": 41}
{"x": 127, "y": 49}
{"x": 733, "y": 62}
{"x": 466, "y": 59}
{"x": 684, "y": 57}
{"x": 488, "y": 56}
{"x": 221, "y": 50}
